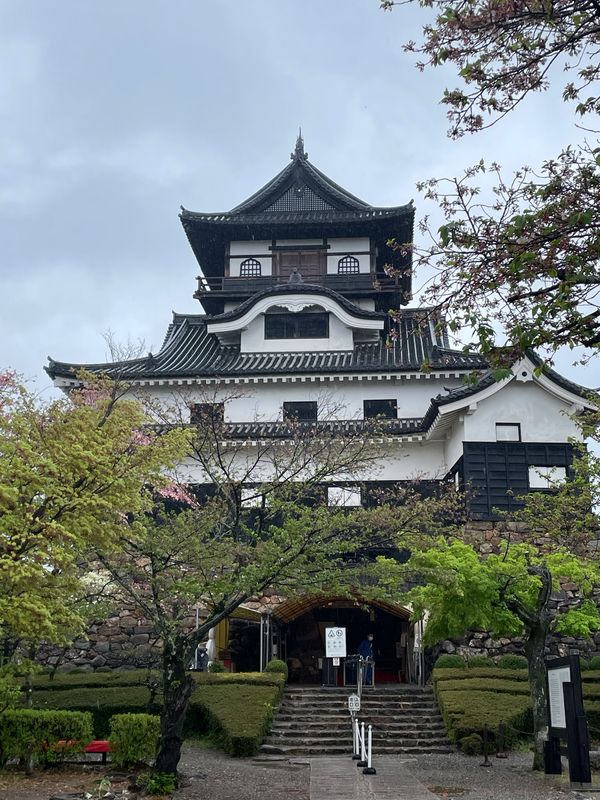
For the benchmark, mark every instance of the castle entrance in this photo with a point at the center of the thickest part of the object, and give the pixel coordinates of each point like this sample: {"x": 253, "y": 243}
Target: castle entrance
{"x": 302, "y": 625}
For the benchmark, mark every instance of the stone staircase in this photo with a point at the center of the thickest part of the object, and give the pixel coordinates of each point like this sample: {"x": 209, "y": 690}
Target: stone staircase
{"x": 314, "y": 720}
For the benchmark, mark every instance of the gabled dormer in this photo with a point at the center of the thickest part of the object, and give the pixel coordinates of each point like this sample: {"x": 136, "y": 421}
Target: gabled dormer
{"x": 297, "y": 318}
{"x": 301, "y": 220}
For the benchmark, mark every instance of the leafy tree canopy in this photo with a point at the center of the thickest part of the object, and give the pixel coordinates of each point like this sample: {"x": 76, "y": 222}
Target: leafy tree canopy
{"x": 70, "y": 470}
{"x": 522, "y": 267}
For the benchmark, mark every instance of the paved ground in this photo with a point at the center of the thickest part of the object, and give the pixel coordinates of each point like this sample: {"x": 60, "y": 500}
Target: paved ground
{"x": 211, "y": 774}
{"x": 340, "y": 779}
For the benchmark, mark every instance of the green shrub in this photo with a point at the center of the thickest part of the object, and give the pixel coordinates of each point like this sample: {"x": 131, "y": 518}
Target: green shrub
{"x": 471, "y": 745}
{"x": 487, "y": 685}
{"x": 68, "y": 680}
{"x": 159, "y": 783}
{"x": 216, "y": 666}
{"x": 480, "y": 661}
{"x": 512, "y": 662}
{"x": 104, "y": 669}
{"x": 133, "y": 738}
{"x": 594, "y": 663}
{"x": 103, "y": 703}
{"x": 29, "y": 734}
{"x": 241, "y": 678}
{"x": 236, "y": 716}
{"x": 276, "y": 665}
{"x": 450, "y": 662}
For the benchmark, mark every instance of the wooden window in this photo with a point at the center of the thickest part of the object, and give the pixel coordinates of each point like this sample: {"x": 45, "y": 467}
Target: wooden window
{"x": 302, "y": 411}
{"x": 311, "y": 264}
{"x": 211, "y": 413}
{"x": 297, "y": 326}
{"x": 508, "y": 432}
{"x": 250, "y": 268}
{"x": 344, "y": 496}
{"x": 546, "y": 477}
{"x": 380, "y": 408}
{"x": 348, "y": 265}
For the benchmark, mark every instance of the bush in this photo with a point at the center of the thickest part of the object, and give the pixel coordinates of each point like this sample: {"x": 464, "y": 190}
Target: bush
{"x": 275, "y": 665}
{"x": 512, "y": 662}
{"x": 450, "y": 662}
{"x": 159, "y": 783}
{"x": 471, "y": 745}
{"x": 69, "y": 680}
{"x": 103, "y": 669}
{"x": 216, "y": 666}
{"x": 236, "y": 716}
{"x": 29, "y": 734}
{"x": 594, "y": 663}
{"x": 103, "y": 703}
{"x": 133, "y": 738}
{"x": 480, "y": 661}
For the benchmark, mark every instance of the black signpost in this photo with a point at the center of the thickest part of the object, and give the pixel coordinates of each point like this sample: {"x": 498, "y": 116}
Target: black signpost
{"x": 567, "y": 721}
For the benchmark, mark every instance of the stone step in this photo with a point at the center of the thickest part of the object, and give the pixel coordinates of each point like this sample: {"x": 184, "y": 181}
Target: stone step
{"x": 317, "y": 750}
{"x": 407, "y": 725}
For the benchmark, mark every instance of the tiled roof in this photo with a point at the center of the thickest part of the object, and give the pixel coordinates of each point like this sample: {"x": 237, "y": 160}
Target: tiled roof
{"x": 299, "y": 191}
{"x": 190, "y": 351}
{"x": 282, "y": 430}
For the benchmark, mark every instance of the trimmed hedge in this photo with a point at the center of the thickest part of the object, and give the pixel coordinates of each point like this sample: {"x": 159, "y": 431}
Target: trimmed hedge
{"x": 27, "y": 733}
{"x": 68, "y": 680}
{"x": 236, "y": 715}
{"x": 476, "y": 662}
{"x": 133, "y": 738}
{"x": 102, "y": 703}
{"x": 276, "y": 665}
{"x": 447, "y": 661}
{"x": 512, "y": 662}
{"x": 236, "y": 709}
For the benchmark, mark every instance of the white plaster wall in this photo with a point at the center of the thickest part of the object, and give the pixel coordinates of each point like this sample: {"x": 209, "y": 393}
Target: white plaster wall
{"x": 399, "y": 462}
{"x": 253, "y": 339}
{"x": 543, "y": 417}
{"x": 250, "y": 402}
{"x": 266, "y": 266}
{"x": 349, "y": 245}
{"x": 250, "y": 248}
{"x": 453, "y": 445}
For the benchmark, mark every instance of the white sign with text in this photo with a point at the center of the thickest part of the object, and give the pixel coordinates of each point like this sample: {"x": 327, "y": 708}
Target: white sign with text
{"x": 335, "y": 642}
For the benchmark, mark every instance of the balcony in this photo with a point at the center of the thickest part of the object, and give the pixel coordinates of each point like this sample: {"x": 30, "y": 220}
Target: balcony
{"x": 356, "y": 284}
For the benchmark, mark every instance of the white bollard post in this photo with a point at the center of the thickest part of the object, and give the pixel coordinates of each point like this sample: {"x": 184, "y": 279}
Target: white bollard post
{"x": 368, "y": 770}
{"x": 355, "y": 736}
{"x": 363, "y": 747}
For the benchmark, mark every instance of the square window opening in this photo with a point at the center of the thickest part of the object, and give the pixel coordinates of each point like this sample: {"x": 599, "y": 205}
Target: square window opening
{"x": 302, "y": 411}
{"x": 344, "y": 496}
{"x": 380, "y": 408}
{"x": 311, "y": 325}
{"x": 508, "y": 432}
{"x": 546, "y": 477}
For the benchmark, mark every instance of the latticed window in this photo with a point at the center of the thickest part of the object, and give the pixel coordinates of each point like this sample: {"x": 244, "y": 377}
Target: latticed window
{"x": 348, "y": 265}
{"x": 250, "y": 268}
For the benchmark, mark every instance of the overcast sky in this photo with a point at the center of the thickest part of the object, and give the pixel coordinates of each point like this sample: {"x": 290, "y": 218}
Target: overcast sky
{"x": 113, "y": 114}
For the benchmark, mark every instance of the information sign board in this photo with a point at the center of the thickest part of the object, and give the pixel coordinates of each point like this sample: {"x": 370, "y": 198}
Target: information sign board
{"x": 335, "y": 642}
{"x": 354, "y": 703}
{"x": 556, "y": 697}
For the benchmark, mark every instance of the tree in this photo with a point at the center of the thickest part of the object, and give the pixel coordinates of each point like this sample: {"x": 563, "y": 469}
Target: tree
{"x": 69, "y": 470}
{"x": 509, "y": 591}
{"x": 527, "y": 259}
{"x": 258, "y": 518}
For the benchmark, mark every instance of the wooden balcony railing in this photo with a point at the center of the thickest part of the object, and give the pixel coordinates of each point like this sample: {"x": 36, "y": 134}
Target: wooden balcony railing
{"x": 365, "y": 282}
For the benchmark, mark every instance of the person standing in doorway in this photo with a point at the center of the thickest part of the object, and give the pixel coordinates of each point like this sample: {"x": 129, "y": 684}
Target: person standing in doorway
{"x": 365, "y": 649}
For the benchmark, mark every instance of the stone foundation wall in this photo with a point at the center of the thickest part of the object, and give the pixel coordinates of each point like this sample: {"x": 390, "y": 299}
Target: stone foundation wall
{"x": 126, "y": 640}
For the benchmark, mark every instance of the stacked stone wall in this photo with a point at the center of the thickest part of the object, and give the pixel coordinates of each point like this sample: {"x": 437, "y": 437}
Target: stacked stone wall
{"x": 126, "y": 640}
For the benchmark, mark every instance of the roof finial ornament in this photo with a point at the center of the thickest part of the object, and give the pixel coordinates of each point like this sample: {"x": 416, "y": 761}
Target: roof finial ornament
{"x": 299, "y": 149}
